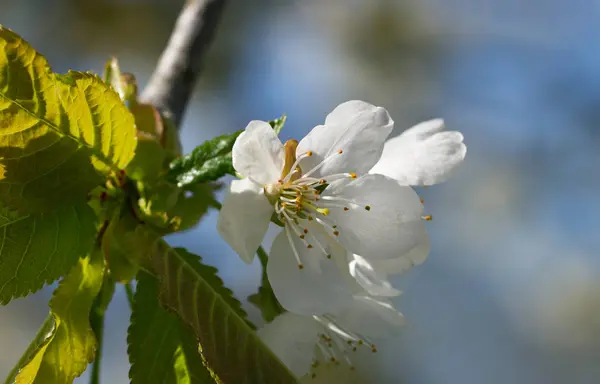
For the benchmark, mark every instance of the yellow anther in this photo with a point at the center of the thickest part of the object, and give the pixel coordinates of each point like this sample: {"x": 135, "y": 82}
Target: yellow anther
{"x": 309, "y": 246}
{"x": 300, "y": 266}
{"x": 340, "y": 151}
{"x": 346, "y": 209}
{"x": 305, "y": 230}
{"x": 353, "y": 175}
{"x": 427, "y": 217}
{"x": 368, "y": 207}
{"x": 323, "y": 211}
{"x": 302, "y": 236}
{"x": 309, "y": 153}
{"x": 310, "y": 218}
{"x": 322, "y": 181}
{"x": 337, "y": 233}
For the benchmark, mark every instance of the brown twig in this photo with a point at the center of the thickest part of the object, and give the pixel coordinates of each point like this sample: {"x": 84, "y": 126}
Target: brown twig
{"x": 175, "y": 75}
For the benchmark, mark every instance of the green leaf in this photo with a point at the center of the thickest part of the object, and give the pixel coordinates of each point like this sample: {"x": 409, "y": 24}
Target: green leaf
{"x": 124, "y": 244}
{"x": 207, "y": 162}
{"x": 60, "y": 134}
{"x": 278, "y": 123}
{"x": 228, "y": 343}
{"x": 161, "y": 348}
{"x": 73, "y": 344}
{"x": 149, "y": 159}
{"x": 192, "y": 205}
{"x": 40, "y": 248}
{"x": 43, "y": 337}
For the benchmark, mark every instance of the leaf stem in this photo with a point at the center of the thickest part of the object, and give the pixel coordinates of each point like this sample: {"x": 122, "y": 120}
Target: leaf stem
{"x": 97, "y": 323}
{"x": 129, "y": 292}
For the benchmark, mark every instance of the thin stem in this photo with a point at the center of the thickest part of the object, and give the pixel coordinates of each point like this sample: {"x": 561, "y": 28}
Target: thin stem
{"x": 175, "y": 75}
{"x": 97, "y": 312}
{"x": 129, "y": 292}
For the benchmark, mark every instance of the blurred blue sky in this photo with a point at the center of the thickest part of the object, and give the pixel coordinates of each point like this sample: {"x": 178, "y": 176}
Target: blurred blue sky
{"x": 511, "y": 291}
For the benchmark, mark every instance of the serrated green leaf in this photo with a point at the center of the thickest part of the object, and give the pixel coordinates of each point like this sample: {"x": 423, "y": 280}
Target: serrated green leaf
{"x": 278, "y": 124}
{"x": 229, "y": 345}
{"x": 161, "y": 348}
{"x": 43, "y": 337}
{"x": 148, "y": 161}
{"x": 124, "y": 244}
{"x": 40, "y": 248}
{"x": 207, "y": 162}
{"x": 59, "y": 134}
{"x": 73, "y": 343}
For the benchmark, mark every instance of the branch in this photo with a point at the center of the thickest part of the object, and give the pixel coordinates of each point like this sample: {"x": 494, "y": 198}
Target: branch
{"x": 173, "y": 80}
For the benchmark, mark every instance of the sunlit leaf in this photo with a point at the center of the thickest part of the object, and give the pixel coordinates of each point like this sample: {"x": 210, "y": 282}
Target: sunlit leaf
{"x": 73, "y": 344}
{"x": 40, "y": 248}
{"x": 161, "y": 348}
{"x": 228, "y": 343}
{"x": 59, "y": 134}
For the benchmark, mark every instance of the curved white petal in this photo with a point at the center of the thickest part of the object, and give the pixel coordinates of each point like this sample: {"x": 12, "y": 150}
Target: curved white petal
{"x": 391, "y": 226}
{"x": 359, "y": 129}
{"x": 372, "y": 317}
{"x": 258, "y": 153}
{"x": 307, "y": 291}
{"x": 422, "y": 155}
{"x": 374, "y": 281}
{"x": 244, "y": 217}
{"x": 414, "y": 256}
{"x": 292, "y": 338}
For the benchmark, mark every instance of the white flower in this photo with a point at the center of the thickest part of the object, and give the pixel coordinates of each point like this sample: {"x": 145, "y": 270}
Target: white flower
{"x": 309, "y": 344}
{"x": 331, "y": 206}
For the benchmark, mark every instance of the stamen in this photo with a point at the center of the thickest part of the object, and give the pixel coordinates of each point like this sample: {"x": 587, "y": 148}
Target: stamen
{"x": 294, "y": 251}
{"x": 427, "y": 217}
{"x": 295, "y": 165}
{"x": 325, "y": 160}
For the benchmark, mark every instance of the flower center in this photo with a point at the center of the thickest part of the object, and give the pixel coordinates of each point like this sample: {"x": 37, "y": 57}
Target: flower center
{"x": 336, "y": 344}
{"x": 297, "y": 199}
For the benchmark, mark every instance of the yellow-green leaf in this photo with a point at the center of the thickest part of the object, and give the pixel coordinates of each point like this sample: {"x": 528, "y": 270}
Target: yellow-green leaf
{"x": 161, "y": 348}
{"x": 59, "y": 134}
{"x": 40, "y": 248}
{"x": 73, "y": 344}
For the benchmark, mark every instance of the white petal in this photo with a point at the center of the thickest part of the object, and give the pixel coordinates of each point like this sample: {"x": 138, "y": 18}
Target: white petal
{"x": 374, "y": 281}
{"x": 391, "y": 227}
{"x": 415, "y": 256}
{"x": 258, "y": 153}
{"x": 358, "y": 128}
{"x": 422, "y": 155}
{"x": 371, "y": 317}
{"x": 307, "y": 291}
{"x": 292, "y": 338}
{"x": 244, "y": 217}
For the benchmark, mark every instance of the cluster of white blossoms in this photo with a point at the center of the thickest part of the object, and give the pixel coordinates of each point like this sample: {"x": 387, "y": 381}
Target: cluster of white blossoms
{"x": 350, "y": 220}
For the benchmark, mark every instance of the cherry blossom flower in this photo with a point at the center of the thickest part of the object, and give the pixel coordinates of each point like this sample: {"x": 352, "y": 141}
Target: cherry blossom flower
{"x": 349, "y": 214}
{"x": 312, "y": 344}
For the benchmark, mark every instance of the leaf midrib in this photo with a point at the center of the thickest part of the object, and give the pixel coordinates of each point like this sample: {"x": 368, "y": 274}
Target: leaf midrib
{"x": 57, "y": 130}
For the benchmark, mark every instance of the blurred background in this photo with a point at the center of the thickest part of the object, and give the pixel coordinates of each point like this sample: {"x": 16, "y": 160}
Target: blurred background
{"x": 511, "y": 291}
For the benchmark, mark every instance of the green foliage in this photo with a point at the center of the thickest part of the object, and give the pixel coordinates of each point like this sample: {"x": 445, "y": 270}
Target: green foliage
{"x": 85, "y": 169}
{"x": 195, "y": 292}
{"x": 65, "y": 354}
{"x": 40, "y": 248}
{"x": 161, "y": 348}
{"x": 124, "y": 244}
{"x": 61, "y": 134}
{"x": 209, "y": 161}
{"x": 278, "y": 123}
